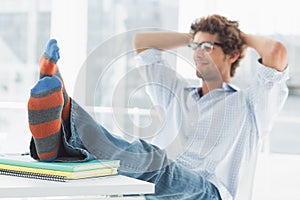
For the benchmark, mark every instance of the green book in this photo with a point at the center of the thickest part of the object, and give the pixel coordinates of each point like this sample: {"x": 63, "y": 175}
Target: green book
{"x": 54, "y": 175}
{"x": 27, "y": 161}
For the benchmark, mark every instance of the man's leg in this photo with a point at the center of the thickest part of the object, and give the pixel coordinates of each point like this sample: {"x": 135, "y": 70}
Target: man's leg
{"x": 141, "y": 160}
{"x": 138, "y": 159}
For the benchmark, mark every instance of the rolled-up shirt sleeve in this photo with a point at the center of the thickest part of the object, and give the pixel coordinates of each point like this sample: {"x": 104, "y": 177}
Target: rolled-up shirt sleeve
{"x": 267, "y": 95}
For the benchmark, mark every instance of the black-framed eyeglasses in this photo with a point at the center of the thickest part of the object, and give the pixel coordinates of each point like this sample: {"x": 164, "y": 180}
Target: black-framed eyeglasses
{"x": 206, "y": 46}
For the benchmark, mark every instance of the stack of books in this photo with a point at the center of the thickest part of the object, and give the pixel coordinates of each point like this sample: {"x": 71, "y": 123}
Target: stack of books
{"x": 25, "y": 166}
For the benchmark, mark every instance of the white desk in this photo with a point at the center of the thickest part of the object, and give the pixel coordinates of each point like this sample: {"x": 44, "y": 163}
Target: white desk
{"x": 18, "y": 187}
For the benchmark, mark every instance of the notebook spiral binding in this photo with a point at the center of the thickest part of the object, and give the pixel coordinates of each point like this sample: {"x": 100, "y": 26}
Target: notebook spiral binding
{"x": 33, "y": 175}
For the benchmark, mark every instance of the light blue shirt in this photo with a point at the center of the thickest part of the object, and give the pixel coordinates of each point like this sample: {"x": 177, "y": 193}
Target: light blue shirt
{"x": 217, "y": 134}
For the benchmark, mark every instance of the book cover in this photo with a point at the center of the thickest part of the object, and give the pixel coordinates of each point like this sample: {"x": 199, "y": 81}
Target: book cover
{"x": 14, "y": 170}
{"x": 27, "y": 161}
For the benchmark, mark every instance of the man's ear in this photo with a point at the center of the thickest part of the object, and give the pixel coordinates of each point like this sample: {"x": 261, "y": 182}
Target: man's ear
{"x": 234, "y": 56}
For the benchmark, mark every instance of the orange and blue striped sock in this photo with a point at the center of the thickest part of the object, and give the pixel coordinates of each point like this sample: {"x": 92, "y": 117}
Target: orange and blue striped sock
{"x": 48, "y": 67}
{"x": 44, "y": 114}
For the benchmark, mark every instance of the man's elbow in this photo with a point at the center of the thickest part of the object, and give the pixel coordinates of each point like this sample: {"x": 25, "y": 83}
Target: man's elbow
{"x": 138, "y": 43}
{"x": 277, "y": 56}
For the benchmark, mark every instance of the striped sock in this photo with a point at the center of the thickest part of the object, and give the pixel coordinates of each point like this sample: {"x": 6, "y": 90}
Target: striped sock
{"x": 48, "y": 67}
{"x": 44, "y": 115}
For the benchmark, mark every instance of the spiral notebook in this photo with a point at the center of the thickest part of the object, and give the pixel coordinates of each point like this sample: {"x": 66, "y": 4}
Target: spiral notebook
{"x": 26, "y": 167}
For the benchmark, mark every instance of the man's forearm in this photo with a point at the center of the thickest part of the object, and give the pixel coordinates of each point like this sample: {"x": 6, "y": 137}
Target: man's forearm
{"x": 272, "y": 52}
{"x": 161, "y": 40}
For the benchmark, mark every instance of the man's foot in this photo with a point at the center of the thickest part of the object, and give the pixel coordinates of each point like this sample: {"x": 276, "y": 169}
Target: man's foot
{"x": 48, "y": 67}
{"x": 44, "y": 114}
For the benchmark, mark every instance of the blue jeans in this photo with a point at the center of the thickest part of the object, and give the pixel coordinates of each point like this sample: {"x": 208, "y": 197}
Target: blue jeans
{"x": 87, "y": 139}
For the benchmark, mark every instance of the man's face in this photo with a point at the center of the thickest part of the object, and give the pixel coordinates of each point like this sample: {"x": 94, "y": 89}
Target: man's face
{"x": 213, "y": 63}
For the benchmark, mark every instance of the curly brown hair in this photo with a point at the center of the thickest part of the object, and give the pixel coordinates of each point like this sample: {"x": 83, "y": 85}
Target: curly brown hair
{"x": 228, "y": 34}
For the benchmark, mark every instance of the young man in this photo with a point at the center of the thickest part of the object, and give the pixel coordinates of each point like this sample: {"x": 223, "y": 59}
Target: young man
{"x": 230, "y": 123}
{"x": 219, "y": 128}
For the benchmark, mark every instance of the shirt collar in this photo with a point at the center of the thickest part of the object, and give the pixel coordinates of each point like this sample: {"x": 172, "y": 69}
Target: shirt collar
{"x": 226, "y": 86}
{"x": 230, "y": 87}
